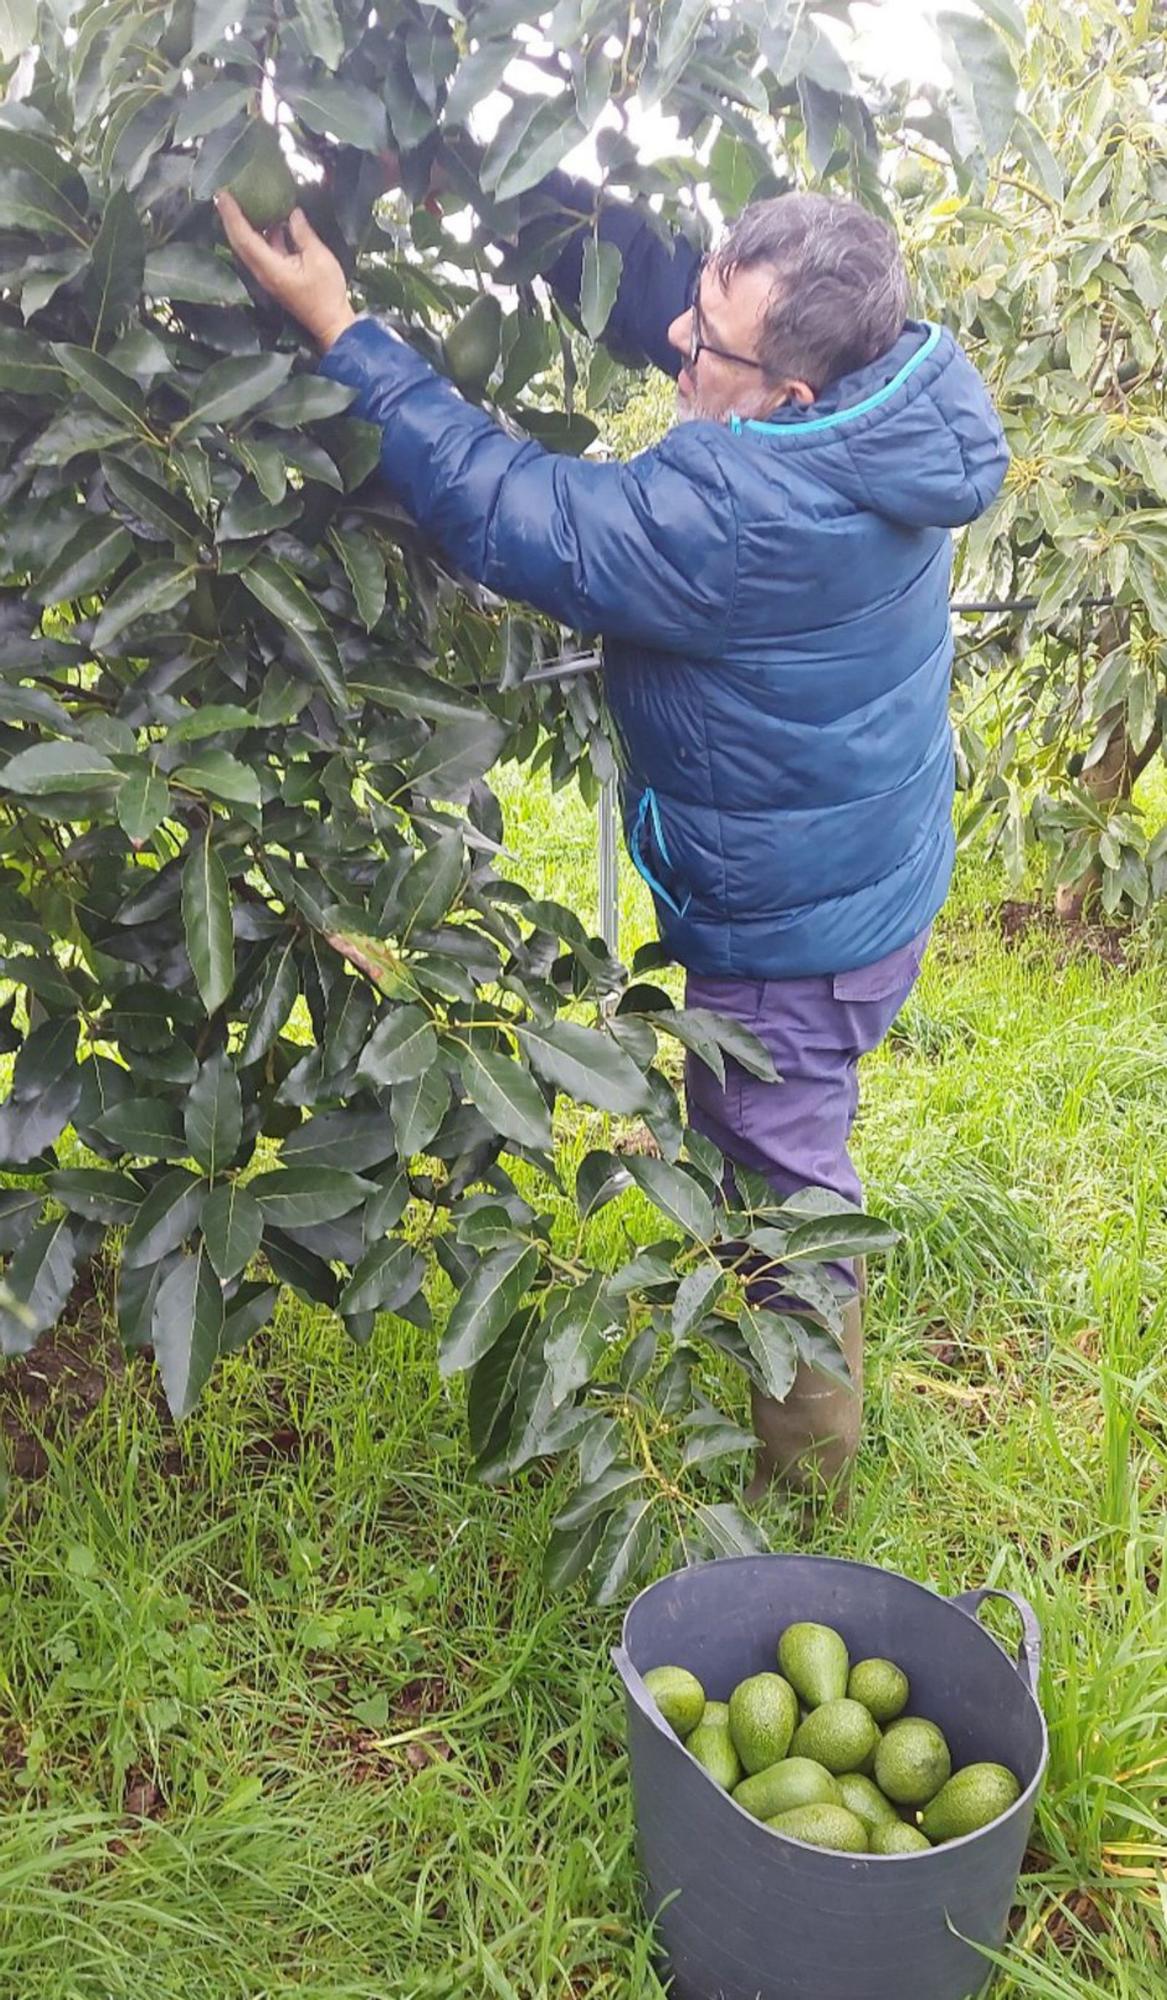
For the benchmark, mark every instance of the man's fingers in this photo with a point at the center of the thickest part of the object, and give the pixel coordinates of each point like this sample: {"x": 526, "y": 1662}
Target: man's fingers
{"x": 262, "y": 260}
{"x": 301, "y": 234}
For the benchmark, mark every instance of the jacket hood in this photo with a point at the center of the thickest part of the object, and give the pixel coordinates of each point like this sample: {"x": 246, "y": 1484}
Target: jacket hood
{"x": 913, "y": 437}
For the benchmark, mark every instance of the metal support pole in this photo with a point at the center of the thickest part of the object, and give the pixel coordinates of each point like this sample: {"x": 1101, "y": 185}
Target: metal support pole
{"x": 609, "y": 896}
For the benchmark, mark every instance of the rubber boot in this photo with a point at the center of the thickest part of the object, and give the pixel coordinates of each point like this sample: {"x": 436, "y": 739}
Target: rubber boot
{"x": 809, "y": 1442}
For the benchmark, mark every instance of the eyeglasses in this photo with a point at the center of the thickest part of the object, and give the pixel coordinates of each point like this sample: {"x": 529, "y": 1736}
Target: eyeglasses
{"x": 697, "y": 345}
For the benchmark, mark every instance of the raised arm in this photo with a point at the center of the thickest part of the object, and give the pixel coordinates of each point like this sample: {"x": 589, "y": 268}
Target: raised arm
{"x": 602, "y": 547}
{"x": 654, "y": 280}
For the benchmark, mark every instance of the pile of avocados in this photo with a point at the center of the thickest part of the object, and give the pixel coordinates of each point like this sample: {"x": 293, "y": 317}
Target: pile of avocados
{"x": 823, "y": 1753}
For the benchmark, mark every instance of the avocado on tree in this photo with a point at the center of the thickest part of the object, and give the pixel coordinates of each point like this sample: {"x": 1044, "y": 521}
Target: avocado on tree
{"x": 275, "y": 1014}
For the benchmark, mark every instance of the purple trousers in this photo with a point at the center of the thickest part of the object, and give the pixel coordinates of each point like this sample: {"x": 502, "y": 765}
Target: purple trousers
{"x": 796, "y": 1132}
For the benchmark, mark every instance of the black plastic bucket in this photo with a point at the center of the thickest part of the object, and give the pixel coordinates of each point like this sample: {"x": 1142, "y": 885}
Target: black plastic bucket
{"x": 743, "y": 1914}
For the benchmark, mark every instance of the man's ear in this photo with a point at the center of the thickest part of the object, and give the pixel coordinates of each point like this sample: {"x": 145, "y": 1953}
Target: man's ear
{"x": 799, "y": 392}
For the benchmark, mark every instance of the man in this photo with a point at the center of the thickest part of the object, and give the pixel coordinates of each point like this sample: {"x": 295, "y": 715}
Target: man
{"x": 772, "y": 583}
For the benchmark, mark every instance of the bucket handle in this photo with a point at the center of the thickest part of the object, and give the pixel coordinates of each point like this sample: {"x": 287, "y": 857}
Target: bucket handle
{"x": 1029, "y": 1651}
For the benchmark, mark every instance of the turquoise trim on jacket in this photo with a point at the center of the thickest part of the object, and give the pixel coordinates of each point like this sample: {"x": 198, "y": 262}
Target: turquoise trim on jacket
{"x": 737, "y": 424}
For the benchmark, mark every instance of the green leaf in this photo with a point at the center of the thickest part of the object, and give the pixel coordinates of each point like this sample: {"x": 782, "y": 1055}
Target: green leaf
{"x": 603, "y": 263}
{"x": 57, "y": 767}
{"x": 251, "y": 1308}
{"x": 193, "y": 274}
{"x": 364, "y": 566}
{"x": 206, "y": 917}
{"x": 323, "y": 34}
{"x": 601, "y": 1176}
{"x": 773, "y": 1349}
{"x": 114, "y": 392}
{"x": 697, "y": 1294}
{"x": 345, "y": 1138}
{"x": 714, "y": 1441}
{"x": 431, "y": 884}
{"x": 166, "y": 1218}
{"x": 576, "y": 1336}
{"x": 213, "y": 1115}
{"x": 389, "y": 1273}
{"x": 144, "y": 1126}
{"x": 273, "y": 1003}
{"x": 345, "y": 110}
{"x": 25, "y": 369}
{"x": 737, "y": 1041}
{"x": 401, "y": 1046}
{"x": 221, "y": 776}
{"x": 626, "y": 1551}
{"x": 100, "y": 1194}
{"x": 301, "y": 1197}
{"x": 276, "y": 587}
{"x": 153, "y": 503}
{"x": 212, "y": 18}
{"x": 567, "y": 1554}
{"x": 984, "y": 101}
{"x": 74, "y": 432}
{"x": 19, "y": 1211}
{"x": 232, "y": 1226}
{"x": 306, "y": 399}
{"x": 831, "y": 1238}
{"x": 529, "y": 144}
{"x": 154, "y": 588}
{"x": 209, "y": 107}
{"x": 485, "y": 1306}
{"x": 457, "y": 755}
{"x": 1007, "y": 15}
{"x": 676, "y": 1194}
{"x": 114, "y": 280}
{"x": 88, "y": 559}
{"x": 232, "y": 389}
{"x": 419, "y": 1107}
{"x": 597, "y": 1497}
{"x": 185, "y": 1329}
{"x": 587, "y": 1064}
{"x": 142, "y": 804}
{"x": 728, "y": 1531}
{"x": 38, "y": 1281}
{"x": 1032, "y": 143}
{"x": 507, "y": 1096}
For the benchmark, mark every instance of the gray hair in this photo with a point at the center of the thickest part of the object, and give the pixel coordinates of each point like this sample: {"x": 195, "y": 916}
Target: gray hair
{"x": 840, "y": 295}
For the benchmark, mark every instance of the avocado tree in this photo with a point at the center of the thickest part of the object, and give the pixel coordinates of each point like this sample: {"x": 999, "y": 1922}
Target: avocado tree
{"x": 274, "y": 1015}
{"x": 1055, "y": 276}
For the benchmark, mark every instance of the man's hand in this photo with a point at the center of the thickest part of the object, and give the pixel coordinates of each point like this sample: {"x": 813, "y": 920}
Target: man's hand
{"x": 292, "y": 264}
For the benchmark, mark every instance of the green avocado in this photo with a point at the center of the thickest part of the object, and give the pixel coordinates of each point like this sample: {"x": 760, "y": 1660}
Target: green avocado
{"x": 814, "y": 1661}
{"x": 472, "y": 346}
{"x": 763, "y": 1713}
{"x": 679, "y": 1696}
{"x": 881, "y": 1686}
{"x": 257, "y": 174}
{"x": 866, "y": 1801}
{"x": 974, "y": 1798}
{"x": 895, "y": 1836}
{"x": 840, "y": 1735}
{"x": 712, "y": 1746}
{"x": 794, "y": 1782}
{"x": 823, "y": 1826}
{"x": 912, "y": 1762}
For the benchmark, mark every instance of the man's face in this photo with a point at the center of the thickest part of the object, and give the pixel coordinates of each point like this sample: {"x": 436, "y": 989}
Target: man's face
{"x": 728, "y": 318}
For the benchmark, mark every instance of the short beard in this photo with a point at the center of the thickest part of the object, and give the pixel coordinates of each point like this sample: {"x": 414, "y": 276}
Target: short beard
{"x": 690, "y": 409}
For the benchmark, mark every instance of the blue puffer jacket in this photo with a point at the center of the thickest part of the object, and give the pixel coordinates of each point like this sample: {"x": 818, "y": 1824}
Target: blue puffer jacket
{"x": 774, "y": 600}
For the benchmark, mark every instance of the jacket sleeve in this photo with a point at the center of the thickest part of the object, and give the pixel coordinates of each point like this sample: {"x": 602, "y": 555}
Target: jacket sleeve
{"x": 654, "y": 280}
{"x": 644, "y": 550}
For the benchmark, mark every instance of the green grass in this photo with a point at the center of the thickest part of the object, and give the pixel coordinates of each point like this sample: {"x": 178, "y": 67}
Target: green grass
{"x": 284, "y": 1710}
